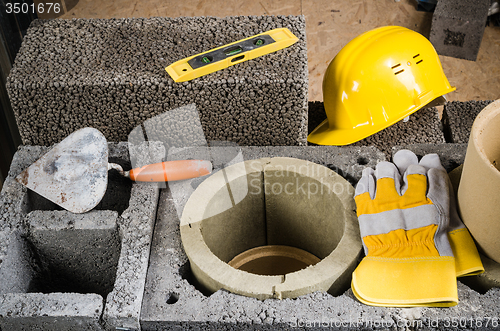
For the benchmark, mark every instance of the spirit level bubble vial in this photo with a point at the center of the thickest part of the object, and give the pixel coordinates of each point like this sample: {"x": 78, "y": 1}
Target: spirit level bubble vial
{"x": 222, "y": 57}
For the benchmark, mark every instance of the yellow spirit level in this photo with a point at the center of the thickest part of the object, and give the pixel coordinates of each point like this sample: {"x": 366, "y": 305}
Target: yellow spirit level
{"x": 222, "y": 57}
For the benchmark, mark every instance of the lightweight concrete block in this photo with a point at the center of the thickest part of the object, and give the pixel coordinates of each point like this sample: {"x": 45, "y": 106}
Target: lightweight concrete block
{"x": 103, "y": 254}
{"x": 171, "y": 298}
{"x": 173, "y": 301}
{"x": 110, "y": 74}
{"x": 123, "y": 304}
{"x": 458, "y": 118}
{"x": 16, "y": 259}
{"x": 50, "y": 312}
{"x": 347, "y": 161}
{"x": 458, "y": 26}
{"x": 423, "y": 127}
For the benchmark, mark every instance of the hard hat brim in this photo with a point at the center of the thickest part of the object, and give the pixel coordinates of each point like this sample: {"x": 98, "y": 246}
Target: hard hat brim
{"x": 324, "y": 135}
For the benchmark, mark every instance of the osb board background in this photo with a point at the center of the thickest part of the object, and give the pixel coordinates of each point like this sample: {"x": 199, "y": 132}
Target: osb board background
{"x": 330, "y": 24}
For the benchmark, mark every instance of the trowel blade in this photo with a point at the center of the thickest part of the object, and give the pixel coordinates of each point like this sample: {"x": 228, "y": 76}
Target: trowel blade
{"x": 73, "y": 174}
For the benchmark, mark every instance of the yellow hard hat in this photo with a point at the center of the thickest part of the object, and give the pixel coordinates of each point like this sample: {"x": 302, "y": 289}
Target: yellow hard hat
{"x": 376, "y": 80}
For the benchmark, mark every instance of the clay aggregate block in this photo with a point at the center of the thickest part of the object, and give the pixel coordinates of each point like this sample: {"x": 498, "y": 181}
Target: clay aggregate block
{"x": 50, "y": 312}
{"x": 450, "y": 155}
{"x": 110, "y": 74}
{"x": 459, "y": 117}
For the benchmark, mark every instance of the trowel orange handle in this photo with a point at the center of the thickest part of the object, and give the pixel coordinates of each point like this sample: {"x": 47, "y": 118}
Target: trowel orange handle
{"x": 171, "y": 170}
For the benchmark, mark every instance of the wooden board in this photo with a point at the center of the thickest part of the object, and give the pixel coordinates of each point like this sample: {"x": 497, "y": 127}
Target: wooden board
{"x": 330, "y": 24}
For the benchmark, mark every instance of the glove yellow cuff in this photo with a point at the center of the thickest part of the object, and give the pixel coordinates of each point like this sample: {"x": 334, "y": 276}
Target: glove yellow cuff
{"x": 406, "y": 282}
{"x": 467, "y": 260}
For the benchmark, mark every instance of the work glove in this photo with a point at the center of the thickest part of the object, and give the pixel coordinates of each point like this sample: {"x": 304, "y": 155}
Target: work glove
{"x": 404, "y": 215}
{"x": 467, "y": 260}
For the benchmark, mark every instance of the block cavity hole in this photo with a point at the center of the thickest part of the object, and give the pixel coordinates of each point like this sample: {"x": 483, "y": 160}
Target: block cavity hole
{"x": 74, "y": 260}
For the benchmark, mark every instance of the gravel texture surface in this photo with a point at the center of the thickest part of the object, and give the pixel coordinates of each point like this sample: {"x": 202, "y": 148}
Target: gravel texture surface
{"x": 110, "y": 74}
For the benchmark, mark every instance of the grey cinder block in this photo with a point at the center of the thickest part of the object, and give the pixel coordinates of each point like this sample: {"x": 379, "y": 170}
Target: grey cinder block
{"x": 169, "y": 298}
{"x": 458, "y": 26}
{"x": 172, "y": 300}
{"x": 110, "y": 74}
{"x": 65, "y": 271}
{"x": 76, "y": 252}
{"x": 51, "y": 312}
{"x": 423, "y": 127}
{"x": 450, "y": 155}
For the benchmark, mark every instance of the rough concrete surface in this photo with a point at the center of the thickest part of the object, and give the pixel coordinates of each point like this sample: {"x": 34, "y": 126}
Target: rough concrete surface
{"x": 490, "y": 278}
{"x": 459, "y": 117}
{"x": 136, "y": 223}
{"x": 423, "y": 127}
{"x": 171, "y": 299}
{"x": 110, "y": 74}
{"x": 458, "y": 26}
{"x": 347, "y": 161}
{"x": 16, "y": 260}
{"x": 50, "y": 312}
{"x": 173, "y": 302}
{"x": 451, "y": 155}
{"x": 95, "y": 253}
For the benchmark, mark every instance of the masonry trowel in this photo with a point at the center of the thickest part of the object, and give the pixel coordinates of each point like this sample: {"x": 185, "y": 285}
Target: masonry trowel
{"x": 74, "y": 173}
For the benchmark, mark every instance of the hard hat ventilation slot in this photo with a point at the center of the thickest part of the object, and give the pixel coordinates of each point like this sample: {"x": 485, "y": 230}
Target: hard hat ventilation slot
{"x": 396, "y": 66}
{"x": 419, "y": 61}
{"x": 416, "y": 56}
